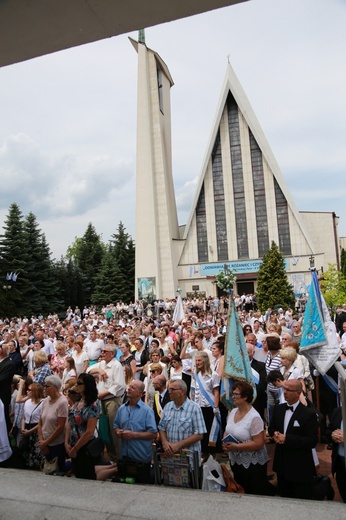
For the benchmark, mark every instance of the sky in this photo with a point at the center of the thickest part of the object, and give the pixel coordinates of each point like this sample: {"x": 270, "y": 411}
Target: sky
{"x": 68, "y": 119}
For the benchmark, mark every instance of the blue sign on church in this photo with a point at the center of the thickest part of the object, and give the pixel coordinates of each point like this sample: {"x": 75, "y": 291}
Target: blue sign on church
{"x": 246, "y": 266}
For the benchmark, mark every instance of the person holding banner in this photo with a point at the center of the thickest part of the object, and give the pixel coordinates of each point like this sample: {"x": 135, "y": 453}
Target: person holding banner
{"x": 207, "y": 396}
{"x": 244, "y": 442}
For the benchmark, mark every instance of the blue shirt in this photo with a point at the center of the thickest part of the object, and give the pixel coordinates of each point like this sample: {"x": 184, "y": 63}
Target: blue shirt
{"x": 139, "y": 418}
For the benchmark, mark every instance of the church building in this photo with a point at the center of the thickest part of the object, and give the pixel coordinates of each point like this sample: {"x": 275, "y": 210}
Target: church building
{"x": 241, "y": 204}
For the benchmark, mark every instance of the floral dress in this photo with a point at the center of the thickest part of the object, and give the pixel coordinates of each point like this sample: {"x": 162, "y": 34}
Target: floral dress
{"x": 78, "y": 419}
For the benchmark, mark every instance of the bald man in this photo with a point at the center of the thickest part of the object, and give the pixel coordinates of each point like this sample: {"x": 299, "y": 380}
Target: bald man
{"x": 293, "y": 428}
{"x": 136, "y": 427}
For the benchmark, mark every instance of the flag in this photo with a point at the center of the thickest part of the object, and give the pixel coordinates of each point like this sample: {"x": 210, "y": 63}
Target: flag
{"x": 319, "y": 343}
{"x": 237, "y": 363}
{"x": 179, "y": 313}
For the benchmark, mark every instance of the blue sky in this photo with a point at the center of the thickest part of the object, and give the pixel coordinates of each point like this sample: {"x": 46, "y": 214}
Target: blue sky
{"x": 68, "y": 120}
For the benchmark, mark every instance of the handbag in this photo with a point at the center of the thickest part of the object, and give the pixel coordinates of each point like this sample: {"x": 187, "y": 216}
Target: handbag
{"x": 50, "y": 466}
{"x": 95, "y": 447}
{"x": 232, "y": 485}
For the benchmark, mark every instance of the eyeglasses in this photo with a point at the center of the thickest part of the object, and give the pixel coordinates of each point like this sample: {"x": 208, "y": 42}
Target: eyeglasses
{"x": 105, "y": 351}
{"x": 236, "y": 394}
{"x": 173, "y": 389}
{"x": 79, "y": 383}
{"x": 152, "y": 371}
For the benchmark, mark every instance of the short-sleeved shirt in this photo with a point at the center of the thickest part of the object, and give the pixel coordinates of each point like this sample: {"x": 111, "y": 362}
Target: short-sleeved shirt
{"x": 243, "y": 431}
{"x": 41, "y": 374}
{"x": 211, "y": 382}
{"x": 49, "y": 416}
{"x": 79, "y": 419}
{"x": 180, "y": 423}
{"x": 138, "y": 418}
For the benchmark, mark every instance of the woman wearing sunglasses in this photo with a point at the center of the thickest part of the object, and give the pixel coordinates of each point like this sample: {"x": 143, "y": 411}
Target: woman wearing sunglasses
{"x": 82, "y": 421}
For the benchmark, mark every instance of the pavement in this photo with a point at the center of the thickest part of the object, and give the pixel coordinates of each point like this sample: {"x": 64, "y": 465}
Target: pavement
{"x": 31, "y": 495}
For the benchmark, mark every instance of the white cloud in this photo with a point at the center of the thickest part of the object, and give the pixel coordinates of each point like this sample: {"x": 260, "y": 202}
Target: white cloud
{"x": 68, "y": 120}
{"x": 58, "y": 185}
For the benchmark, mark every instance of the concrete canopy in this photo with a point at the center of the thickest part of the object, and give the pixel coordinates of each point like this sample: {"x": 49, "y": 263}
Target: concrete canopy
{"x": 32, "y": 28}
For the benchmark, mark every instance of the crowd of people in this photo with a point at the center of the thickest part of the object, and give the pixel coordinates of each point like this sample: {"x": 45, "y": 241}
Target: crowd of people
{"x": 129, "y": 369}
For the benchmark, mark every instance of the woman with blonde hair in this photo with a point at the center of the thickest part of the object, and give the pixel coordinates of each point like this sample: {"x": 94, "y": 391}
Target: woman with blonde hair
{"x": 207, "y": 396}
{"x": 57, "y": 361}
{"x": 155, "y": 370}
{"x": 289, "y": 370}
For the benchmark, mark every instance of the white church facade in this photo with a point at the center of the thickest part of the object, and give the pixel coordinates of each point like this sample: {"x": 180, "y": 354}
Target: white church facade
{"x": 241, "y": 204}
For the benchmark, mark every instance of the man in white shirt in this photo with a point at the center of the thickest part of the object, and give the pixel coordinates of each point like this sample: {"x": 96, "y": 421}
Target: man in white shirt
{"x": 93, "y": 347}
{"x": 111, "y": 388}
{"x": 208, "y": 339}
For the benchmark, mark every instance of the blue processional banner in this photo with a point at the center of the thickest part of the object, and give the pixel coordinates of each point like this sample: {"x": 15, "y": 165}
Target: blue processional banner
{"x": 237, "y": 363}
{"x": 313, "y": 332}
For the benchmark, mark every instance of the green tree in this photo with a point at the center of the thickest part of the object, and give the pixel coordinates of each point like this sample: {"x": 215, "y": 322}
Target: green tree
{"x": 12, "y": 260}
{"x": 333, "y": 286}
{"x": 70, "y": 282}
{"x": 273, "y": 288}
{"x": 86, "y": 254}
{"x": 343, "y": 262}
{"x": 40, "y": 294}
{"x": 110, "y": 284}
{"x": 123, "y": 250}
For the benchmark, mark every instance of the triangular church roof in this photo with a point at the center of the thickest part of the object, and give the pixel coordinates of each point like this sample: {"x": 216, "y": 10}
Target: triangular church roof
{"x": 232, "y": 84}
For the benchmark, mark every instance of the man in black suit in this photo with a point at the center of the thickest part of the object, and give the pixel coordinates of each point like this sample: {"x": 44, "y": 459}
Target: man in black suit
{"x": 7, "y": 371}
{"x": 162, "y": 396}
{"x": 294, "y": 430}
{"x": 259, "y": 375}
{"x": 338, "y": 453}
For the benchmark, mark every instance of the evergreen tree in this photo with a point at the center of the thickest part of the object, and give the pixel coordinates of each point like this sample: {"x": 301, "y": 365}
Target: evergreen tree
{"x": 40, "y": 295}
{"x": 123, "y": 250}
{"x": 12, "y": 260}
{"x": 273, "y": 288}
{"x": 70, "y": 283}
{"x": 86, "y": 254}
{"x": 110, "y": 285}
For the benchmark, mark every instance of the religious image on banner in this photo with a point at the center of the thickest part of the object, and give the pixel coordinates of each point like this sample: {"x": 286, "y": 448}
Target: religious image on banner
{"x": 147, "y": 288}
